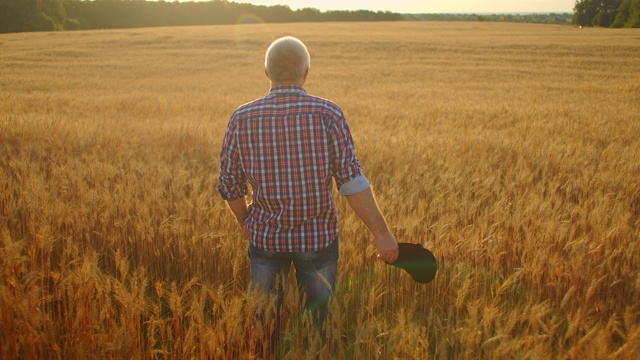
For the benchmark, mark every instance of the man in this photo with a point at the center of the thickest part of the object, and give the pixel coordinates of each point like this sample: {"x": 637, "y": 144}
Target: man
{"x": 289, "y": 146}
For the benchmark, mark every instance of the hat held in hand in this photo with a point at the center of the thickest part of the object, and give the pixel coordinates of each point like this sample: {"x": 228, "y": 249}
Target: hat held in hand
{"x": 417, "y": 261}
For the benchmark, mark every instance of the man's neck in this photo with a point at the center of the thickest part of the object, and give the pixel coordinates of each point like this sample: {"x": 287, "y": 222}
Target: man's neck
{"x": 288, "y": 83}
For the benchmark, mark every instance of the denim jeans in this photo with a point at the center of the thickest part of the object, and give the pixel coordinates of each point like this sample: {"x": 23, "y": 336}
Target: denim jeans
{"x": 315, "y": 277}
{"x": 315, "y": 273}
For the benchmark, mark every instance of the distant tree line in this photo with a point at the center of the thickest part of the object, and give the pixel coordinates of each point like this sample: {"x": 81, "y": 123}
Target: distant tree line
{"x": 539, "y": 18}
{"x": 607, "y": 13}
{"x": 604, "y": 13}
{"x": 50, "y": 15}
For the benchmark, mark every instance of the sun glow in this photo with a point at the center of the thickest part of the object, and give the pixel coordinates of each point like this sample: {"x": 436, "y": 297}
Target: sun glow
{"x": 250, "y": 27}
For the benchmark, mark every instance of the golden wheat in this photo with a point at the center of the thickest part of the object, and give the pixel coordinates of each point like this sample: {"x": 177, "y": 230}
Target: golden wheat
{"x": 510, "y": 150}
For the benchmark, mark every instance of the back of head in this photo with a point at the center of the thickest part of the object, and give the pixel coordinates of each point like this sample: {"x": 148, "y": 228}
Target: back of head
{"x": 287, "y": 60}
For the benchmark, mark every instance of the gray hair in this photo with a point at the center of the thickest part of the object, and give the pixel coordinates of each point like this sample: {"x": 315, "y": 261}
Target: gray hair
{"x": 287, "y": 59}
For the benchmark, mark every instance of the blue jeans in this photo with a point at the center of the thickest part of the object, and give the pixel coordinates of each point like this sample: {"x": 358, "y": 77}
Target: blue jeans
{"x": 315, "y": 276}
{"x": 316, "y": 273}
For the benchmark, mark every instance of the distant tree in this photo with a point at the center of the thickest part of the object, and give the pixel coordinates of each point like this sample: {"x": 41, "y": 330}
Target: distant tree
{"x": 623, "y": 14}
{"x": 31, "y": 15}
{"x": 308, "y": 15}
{"x": 634, "y": 15}
{"x": 277, "y": 13}
{"x": 596, "y": 12}
{"x": 607, "y": 12}
{"x": 12, "y": 16}
{"x": 583, "y": 12}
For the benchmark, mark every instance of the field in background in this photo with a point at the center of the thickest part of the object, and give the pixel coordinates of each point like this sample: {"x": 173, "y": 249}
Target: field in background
{"x": 512, "y": 151}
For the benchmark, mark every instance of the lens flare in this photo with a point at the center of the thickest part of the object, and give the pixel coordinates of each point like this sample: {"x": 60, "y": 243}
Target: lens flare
{"x": 251, "y": 32}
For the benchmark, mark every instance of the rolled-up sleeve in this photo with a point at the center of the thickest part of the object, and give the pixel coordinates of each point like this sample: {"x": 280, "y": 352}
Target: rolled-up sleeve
{"x": 354, "y": 186}
{"x": 346, "y": 168}
{"x": 233, "y": 182}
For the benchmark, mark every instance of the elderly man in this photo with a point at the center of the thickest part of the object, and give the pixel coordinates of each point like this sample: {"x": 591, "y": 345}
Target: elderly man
{"x": 289, "y": 146}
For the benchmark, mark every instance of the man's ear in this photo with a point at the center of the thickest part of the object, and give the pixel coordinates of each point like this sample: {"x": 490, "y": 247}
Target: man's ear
{"x": 306, "y": 73}
{"x": 266, "y": 73}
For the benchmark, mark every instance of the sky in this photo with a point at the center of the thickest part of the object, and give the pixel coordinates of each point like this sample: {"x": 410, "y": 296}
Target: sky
{"x": 426, "y": 6}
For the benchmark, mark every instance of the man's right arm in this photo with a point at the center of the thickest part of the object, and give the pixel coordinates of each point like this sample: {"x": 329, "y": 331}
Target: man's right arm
{"x": 356, "y": 188}
{"x": 233, "y": 183}
{"x": 240, "y": 210}
{"x": 364, "y": 205}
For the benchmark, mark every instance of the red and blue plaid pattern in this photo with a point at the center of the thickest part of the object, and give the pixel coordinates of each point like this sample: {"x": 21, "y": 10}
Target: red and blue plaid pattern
{"x": 288, "y": 146}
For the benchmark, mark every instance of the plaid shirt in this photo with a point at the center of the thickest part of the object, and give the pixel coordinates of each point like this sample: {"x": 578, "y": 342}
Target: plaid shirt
{"x": 288, "y": 146}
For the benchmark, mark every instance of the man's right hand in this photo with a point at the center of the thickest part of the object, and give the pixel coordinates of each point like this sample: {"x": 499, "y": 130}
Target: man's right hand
{"x": 240, "y": 210}
{"x": 387, "y": 247}
{"x": 364, "y": 205}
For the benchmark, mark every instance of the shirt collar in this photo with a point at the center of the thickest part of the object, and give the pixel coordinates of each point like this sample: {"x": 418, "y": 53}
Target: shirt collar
{"x": 285, "y": 89}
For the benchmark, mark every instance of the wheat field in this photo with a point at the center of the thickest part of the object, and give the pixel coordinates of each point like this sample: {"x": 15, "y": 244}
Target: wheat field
{"x": 512, "y": 151}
